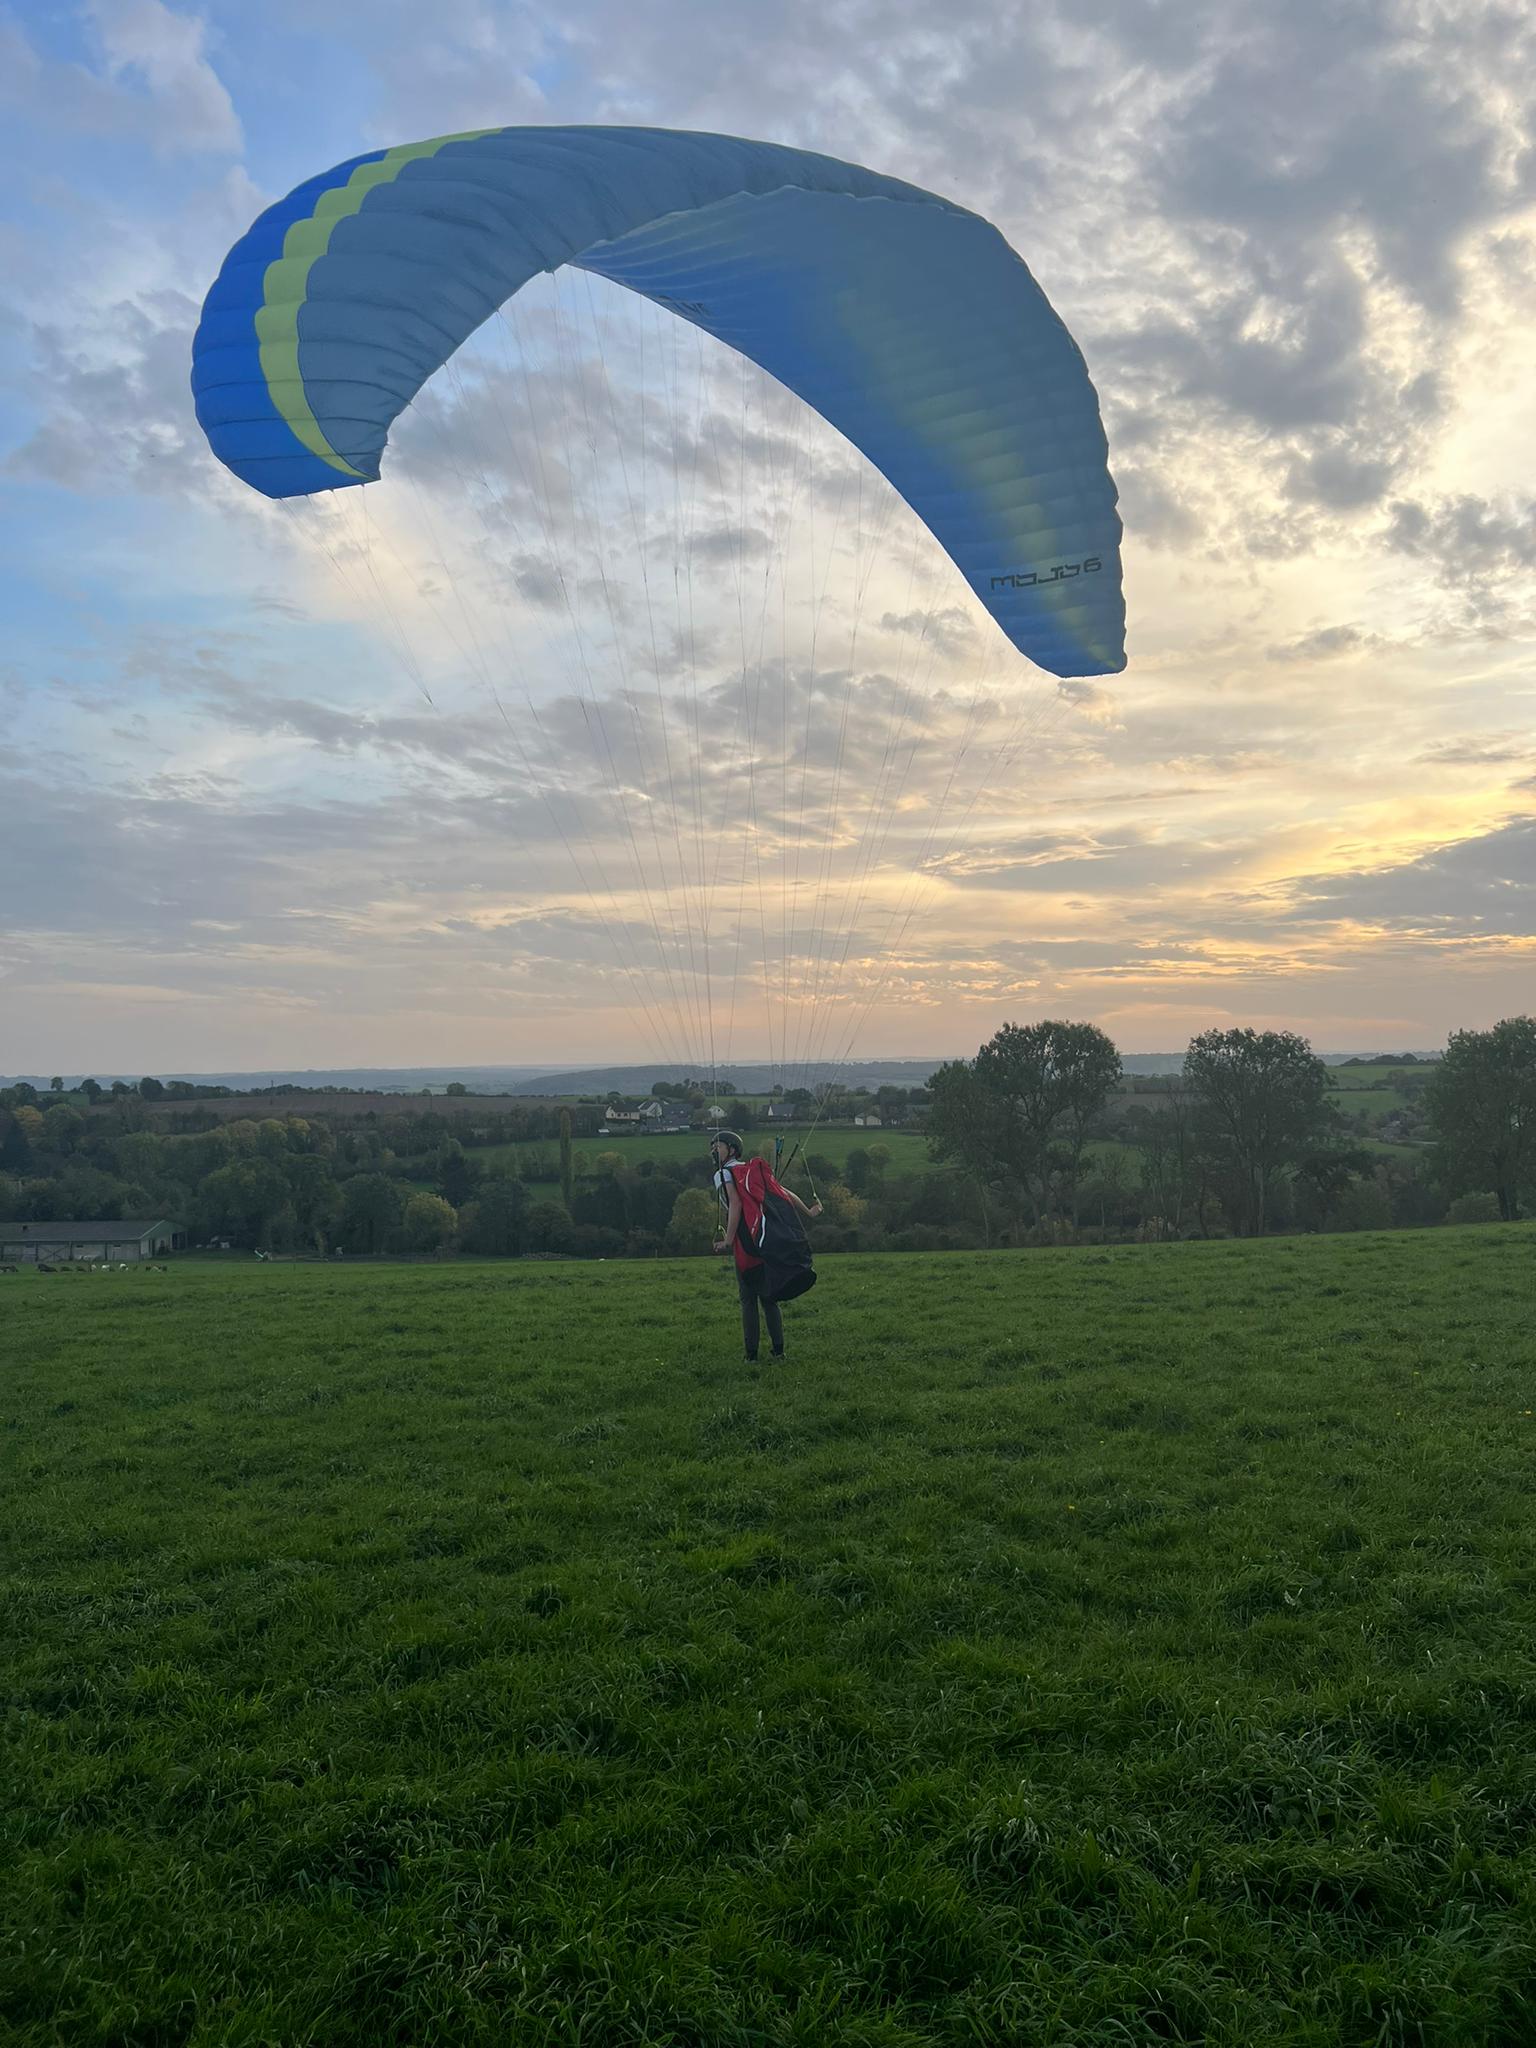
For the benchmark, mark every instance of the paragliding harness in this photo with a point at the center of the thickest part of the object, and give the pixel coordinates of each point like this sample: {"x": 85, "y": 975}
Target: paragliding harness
{"x": 779, "y": 1240}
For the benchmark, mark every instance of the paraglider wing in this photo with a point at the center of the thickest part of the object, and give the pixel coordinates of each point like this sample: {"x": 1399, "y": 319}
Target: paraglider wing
{"x": 906, "y": 321}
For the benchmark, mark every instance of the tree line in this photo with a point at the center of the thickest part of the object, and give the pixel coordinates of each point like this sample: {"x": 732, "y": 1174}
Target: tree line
{"x": 1247, "y": 1138}
{"x": 1034, "y": 1140}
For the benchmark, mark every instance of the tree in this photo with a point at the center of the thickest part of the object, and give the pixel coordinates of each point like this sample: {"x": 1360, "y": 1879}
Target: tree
{"x": 272, "y": 1138}
{"x": 456, "y": 1088}
{"x": 151, "y": 1090}
{"x": 1481, "y": 1100}
{"x": 1324, "y": 1177}
{"x": 1165, "y": 1140}
{"x": 1055, "y": 1078}
{"x": 566, "y": 1175}
{"x": 240, "y": 1200}
{"x": 864, "y": 1168}
{"x": 316, "y": 1198}
{"x": 694, "y": 1218}
{"x": 15, "y": 1148}
{"x": 963, "y": 1124}
{"x": 842, "y": 1207}
{"x": 1109, "y": 1183}
{"x": 61, "y": 1128}
{"x": 32, "y": 1123}
{"x": 1021, "y": 1111}
{"x": 457, "y": 1174}
{"x": 549, "y": 1228}
{"x": 493, "y": 1223}
{"x": 603, "y": 1205}
{"x": 92, "y": 1090}
{"x": 57, "y": 1084}
{"x": 1366, "y": 1204}
{"x": 429, "y": 1223}
{"x": 370, "y": 1209}
{"x": 1261, "y": 1102}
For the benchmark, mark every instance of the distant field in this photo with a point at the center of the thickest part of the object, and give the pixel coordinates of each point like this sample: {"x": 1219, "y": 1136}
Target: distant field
{"x": 1093, "y": 1647}
{"x": 1374, "y": 1101}
{"x": 1372, "y": 1074}
{"x": 908, "y": 1149}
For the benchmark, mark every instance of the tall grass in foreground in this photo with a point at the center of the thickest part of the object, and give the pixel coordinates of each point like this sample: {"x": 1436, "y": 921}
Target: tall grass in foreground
{"x": 1063, "y": 1648}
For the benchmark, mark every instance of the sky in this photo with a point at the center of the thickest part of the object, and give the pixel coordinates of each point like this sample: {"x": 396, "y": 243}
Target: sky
{"x": 407, "y": 777}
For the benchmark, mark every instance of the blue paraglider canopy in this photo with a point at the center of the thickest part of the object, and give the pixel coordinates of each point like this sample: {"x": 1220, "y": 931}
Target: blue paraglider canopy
{"x": 905, "y": 320}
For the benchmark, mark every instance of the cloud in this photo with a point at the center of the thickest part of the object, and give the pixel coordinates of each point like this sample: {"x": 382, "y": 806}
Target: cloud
{"x": 1342, "y": 479}
{"x": 1397, "y": 132}
{"x": 949, "y": 629}
{"x": 148, "y": 42}
{"x": 1492, "y": 751}
{"x": 1483, "y": 886}
{"x": 154, "y": 83}
{"x": 1479, "y": 552}
{"x": 1090, "y": 700}
{"x": 117, "y": 415}
{"x": 1325, "y": 643}
{"x": 1160, "y": 512}
{"x": 538, "y": 580}
{"x": 1145, "y": 862}
{"x": 1465, "y": 536}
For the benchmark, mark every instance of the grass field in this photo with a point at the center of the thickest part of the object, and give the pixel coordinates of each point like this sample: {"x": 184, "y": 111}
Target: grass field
{"x": 1062, "y": 1648}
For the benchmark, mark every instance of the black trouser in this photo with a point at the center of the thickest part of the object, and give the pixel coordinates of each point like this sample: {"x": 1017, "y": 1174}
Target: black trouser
{"x": 749, "y": 1285}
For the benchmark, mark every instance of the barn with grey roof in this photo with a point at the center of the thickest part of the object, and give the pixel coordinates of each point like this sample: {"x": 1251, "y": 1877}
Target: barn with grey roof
{"x": 118, "y": 1240}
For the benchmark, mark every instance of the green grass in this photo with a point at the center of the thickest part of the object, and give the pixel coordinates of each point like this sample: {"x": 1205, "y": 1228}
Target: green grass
{"x": 1375, "y": 1102}
{"x": 1063, "y": 1648}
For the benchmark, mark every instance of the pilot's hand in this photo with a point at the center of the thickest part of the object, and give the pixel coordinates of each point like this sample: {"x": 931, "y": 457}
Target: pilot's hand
{"x": 721, "y": 1244}
{"x": 815, "y": 1208}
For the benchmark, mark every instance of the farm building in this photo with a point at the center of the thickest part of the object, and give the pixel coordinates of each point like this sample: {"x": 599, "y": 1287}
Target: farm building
{"x": 117, "y": 1241}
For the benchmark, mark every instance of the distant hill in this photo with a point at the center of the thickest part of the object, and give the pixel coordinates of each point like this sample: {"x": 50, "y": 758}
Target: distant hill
{"x": 376, "y": 1080}
{"x": 750, "y": 1077}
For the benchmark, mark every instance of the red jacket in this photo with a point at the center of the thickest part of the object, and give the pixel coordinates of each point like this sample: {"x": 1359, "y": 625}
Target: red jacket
{"x": 752, "y": 1180}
